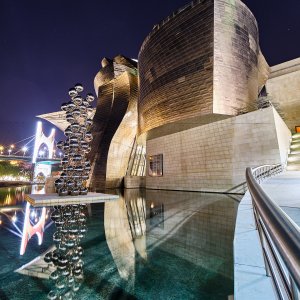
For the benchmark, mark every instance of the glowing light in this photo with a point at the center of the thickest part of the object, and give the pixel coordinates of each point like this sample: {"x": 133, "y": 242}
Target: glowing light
{"x": 24, "y": 149}
{"x": 12, "y": 146}
{"x": 14, "y": 218}
{"x": 152, "y": 205}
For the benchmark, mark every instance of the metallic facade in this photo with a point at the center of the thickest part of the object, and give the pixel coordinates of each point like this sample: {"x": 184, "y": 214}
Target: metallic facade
{"x": 204, "y": 59}
{"x": 115, "y": 121}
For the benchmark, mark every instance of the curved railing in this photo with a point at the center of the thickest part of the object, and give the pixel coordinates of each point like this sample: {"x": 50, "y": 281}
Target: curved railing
{"x": 279, "y": 235}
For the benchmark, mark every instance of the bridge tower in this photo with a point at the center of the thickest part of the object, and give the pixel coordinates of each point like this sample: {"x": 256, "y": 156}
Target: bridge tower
{"x": 40, "y": 139}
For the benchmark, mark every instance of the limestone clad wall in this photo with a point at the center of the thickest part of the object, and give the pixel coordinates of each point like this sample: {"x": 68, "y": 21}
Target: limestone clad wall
{"x": 214, "y": 157}
{"x": 284, "y": 137}
{"x": 283, "y": 87}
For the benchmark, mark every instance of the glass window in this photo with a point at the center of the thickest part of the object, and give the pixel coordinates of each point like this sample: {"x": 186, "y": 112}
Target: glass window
{"x": 156, "y": 165}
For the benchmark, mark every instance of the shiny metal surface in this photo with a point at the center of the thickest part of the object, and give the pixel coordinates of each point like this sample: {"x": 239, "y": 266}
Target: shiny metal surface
{"x": 115, "y": 121}
{"x": 280, "y": 239}
{"x": 204, "y": 59}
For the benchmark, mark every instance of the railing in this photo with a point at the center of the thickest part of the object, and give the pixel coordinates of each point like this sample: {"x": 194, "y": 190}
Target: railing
{"x": 262, "y": 172}
{"x": 279, "y": 235}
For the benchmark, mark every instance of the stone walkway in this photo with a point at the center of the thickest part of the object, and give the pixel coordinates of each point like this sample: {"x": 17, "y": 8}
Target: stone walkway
{"x": 250, "y": 280}
{"x": 284, "y": 189}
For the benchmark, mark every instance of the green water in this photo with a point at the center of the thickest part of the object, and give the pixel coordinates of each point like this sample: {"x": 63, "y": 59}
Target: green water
{"x": 146, "y": 245}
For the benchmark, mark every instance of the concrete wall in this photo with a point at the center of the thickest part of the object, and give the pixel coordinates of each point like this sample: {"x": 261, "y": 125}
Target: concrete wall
{"x": 214, "y": 157}
{"x": 283, "y": 88}
{"x": 283, "y": 135}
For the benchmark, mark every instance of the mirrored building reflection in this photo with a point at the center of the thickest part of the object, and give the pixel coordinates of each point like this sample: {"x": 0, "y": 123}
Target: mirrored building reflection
{"x": 190, "y": 227}
{"x": 125, "y": 230}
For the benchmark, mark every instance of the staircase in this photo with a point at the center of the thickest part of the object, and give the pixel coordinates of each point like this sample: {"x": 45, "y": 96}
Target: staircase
{"x": 293, "y": 163}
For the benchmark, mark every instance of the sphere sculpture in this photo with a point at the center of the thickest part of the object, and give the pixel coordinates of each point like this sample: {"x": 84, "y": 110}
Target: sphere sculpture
{"x": 76, "y": 167}
{"x": 70, "y": 221}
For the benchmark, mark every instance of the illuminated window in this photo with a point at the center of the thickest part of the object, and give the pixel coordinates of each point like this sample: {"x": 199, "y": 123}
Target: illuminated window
{"x": 156, "y": 165}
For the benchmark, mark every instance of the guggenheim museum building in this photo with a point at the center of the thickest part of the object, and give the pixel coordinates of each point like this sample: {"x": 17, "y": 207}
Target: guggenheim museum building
{"x": 198, "y": 106}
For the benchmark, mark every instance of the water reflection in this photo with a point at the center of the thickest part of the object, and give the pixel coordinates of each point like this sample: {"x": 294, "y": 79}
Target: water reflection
{"x": 12, "y": 196}
{"x": 22, "y": 220}
{"x": 146, "y": 245}
{"x": 196, "y": 227}
{"x": 70, "y": 222}
{"x": 190, "y": 227}
{"x": 125, "y": 229}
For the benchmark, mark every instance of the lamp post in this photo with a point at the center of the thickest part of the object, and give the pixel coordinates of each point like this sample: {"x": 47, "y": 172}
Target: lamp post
{"x": 11, "y": 147}
{"x": 24, "y": 149}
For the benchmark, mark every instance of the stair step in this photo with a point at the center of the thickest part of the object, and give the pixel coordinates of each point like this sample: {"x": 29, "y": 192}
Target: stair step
{"x": 293, "y": 168}
{"x": 293, "y": 163}
{"x": 293, "y": 159}
{"x": 294, "y": 155}
{"x": 296, "y": 135}
{"x": 294, "y": 151}
{"x": 295, "y": 145}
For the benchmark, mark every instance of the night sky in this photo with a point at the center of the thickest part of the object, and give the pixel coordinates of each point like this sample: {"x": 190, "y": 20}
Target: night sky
{"x": 47, "y": 46}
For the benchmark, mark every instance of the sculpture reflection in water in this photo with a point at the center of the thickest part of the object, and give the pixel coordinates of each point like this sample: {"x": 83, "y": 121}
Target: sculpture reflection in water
{"x": 70, "y": 222}
{"x": 125, "y": 231}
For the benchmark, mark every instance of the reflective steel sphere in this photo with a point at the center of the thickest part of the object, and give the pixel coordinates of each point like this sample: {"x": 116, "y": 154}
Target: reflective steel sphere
{"x": 73, "y": 92}
{"x": 90, "y": 97}
{"x": 78, "y": 87}
{"x": 63, "y": 192}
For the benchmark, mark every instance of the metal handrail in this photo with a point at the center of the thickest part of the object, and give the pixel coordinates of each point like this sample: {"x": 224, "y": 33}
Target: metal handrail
{"x": 280, "y": 239}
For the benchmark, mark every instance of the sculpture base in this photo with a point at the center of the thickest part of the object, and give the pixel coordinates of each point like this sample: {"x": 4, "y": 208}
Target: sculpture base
{"x": 38, "y": 200}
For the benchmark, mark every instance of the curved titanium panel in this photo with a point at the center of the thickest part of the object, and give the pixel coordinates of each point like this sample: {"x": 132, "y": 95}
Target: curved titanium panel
{"x": 113, "y": 133}
{"x": 204, "y": 59}
{"x": 240, "y": 70}
{"x": 176, "y": 68}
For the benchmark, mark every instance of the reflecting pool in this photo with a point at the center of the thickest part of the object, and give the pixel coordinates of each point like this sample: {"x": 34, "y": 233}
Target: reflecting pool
{"x": 149, "y": 244}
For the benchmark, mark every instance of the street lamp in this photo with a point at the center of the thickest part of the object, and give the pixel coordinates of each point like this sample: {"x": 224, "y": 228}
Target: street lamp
{"x": 11, "y": 147}
{"x": 1, "y": 149}
{"x": 24, "y": 149}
